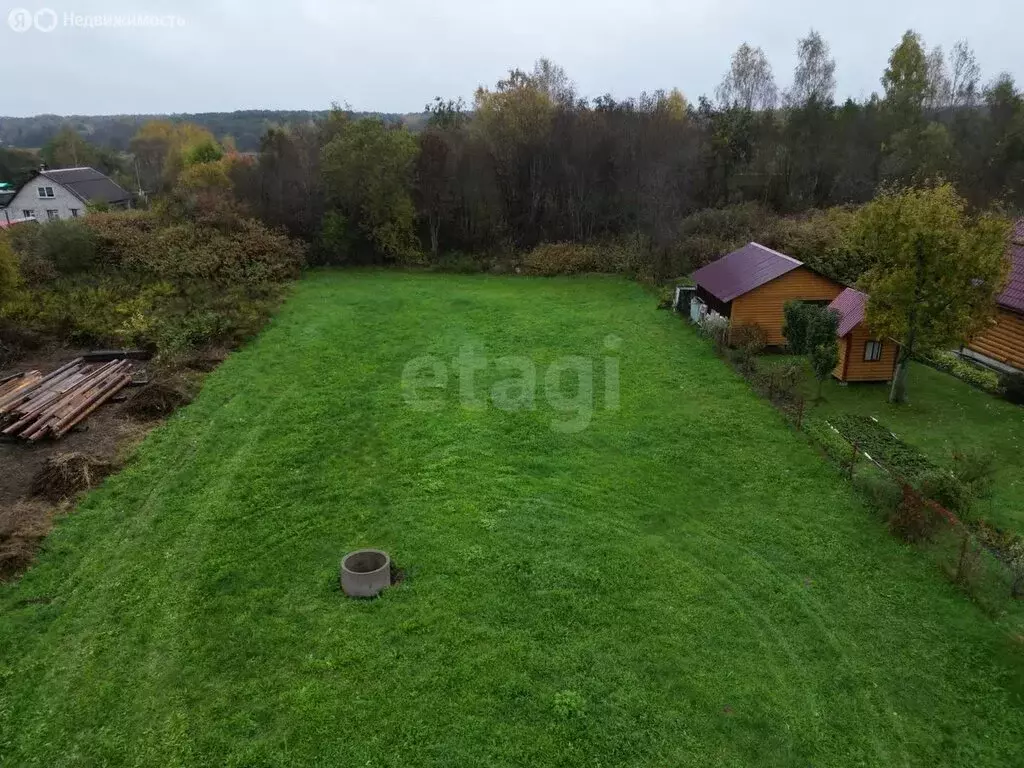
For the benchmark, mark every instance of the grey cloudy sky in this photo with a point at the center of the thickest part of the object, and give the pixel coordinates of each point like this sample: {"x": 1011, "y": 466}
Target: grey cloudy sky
{"x": 395, "y": 55}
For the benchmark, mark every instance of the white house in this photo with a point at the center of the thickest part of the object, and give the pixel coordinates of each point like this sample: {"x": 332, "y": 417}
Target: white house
{"x": 64, "y": 193}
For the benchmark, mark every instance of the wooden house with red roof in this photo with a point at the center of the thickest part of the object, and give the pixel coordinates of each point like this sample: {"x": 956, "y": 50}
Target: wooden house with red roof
{"x": 863, "y": 356}
{"x": 752, "y": 284}
{"x": 1002, "y": 344}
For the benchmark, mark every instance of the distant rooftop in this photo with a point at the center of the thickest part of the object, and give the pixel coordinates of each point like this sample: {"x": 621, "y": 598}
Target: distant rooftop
{"x": 88, "y": 185}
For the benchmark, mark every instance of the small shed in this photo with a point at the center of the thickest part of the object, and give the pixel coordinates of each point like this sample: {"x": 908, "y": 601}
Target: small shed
{"x": 752, "y": 284}
{"x": 862, "y": 355}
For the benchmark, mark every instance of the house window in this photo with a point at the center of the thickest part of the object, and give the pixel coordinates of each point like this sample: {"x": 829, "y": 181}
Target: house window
{"x": 46, "y": 191}
{"x": 28, "y": 213}
{"x": 872, "y": 351}
{"x": 42, "y": 191}
{"x": 74, "y": 213}
{"x": 52, "y": 214}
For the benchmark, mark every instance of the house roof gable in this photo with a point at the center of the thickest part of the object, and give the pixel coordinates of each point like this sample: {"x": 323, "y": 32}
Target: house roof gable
{"x": 743, "y": 270}
{"x": 87, "y": 184}
{"x": 851, "y": 306}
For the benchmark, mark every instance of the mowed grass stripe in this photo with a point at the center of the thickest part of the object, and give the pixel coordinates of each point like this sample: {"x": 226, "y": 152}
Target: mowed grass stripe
{"x": 684, "y": 582}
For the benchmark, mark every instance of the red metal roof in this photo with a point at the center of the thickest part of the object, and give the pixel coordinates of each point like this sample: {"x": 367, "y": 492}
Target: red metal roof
{"x": 1012, "y": 297}
{"x": 743, "y": 270}
{"x": 852, "y": 306}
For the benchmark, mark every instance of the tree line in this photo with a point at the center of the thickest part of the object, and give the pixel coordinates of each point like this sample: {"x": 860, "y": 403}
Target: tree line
{"x": 532, "y": 161}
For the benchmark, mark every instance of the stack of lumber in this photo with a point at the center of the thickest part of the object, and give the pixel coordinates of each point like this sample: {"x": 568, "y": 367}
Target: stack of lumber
{"x": 33, "y": 406}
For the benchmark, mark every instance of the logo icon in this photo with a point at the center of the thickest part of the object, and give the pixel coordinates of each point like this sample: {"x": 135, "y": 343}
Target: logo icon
{"x": 20, "y": 20}
{"x": 46, "y": 20}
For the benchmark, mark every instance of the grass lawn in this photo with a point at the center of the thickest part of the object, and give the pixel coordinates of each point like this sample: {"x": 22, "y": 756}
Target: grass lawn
{"x": 684, "y": 582}
{"x": 944, "y": 415}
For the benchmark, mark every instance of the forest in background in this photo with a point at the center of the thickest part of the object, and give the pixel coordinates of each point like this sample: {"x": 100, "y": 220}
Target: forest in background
{"x": 115, "y": 132}
{"x": 654, "y": 185}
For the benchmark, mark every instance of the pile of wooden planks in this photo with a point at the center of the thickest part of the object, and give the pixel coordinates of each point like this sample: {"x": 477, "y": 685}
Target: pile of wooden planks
{"x": 33, "y": 406}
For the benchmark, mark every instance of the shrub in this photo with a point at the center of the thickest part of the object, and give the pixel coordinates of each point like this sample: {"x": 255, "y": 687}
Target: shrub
{"x": 913, "y": 520}
{"x": 563, "y": 259}
{"x": 750, "y": 337}
{"x": 1013, "y": 387}
{"x": 715, "y": 327}
{"x": 945, "y": 488}
{"x": 976, "y": 470}
{"x": 975, "y": 375}
{"x": 169, "y": 285}
{"x": 249, "y": 252}
{"x": 882, "y": 493}
{"x": 797, "y": 319}
{"x": 784, "y": 380}
{"x": 57, "y": 248}
{"x": 822, "y": 239}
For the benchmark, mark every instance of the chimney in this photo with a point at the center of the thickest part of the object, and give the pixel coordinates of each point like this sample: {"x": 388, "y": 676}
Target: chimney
{"x": 42, "y": 167}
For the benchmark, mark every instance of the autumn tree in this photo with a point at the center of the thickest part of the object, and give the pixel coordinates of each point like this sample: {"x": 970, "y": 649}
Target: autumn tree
{"x": 936, "y": 270}
{"x": 814, "y": 78}
{"x": 749, "y": 84}
{"x": 160, "y": 148}
{"x": 368, "y": 172}
{"x": 965, "y": 74}
{"x": 906, "y": 80}
{"x": 68, "y": 149}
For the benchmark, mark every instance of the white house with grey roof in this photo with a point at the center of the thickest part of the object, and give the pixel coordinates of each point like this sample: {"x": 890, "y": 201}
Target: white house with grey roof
{"x": 64, "y": 193}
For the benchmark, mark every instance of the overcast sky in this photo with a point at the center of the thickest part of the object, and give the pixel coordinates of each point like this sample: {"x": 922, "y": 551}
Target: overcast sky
{"x": 395, "y": 55}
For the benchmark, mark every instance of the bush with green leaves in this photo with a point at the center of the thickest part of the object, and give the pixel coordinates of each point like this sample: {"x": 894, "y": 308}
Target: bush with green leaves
{"x": 945, "y": 488}
{"x": 878, "y": 487}
{"x": 563, "y": 259}
{"x": 64, "y": 247}
{"x": 750, "y": 337}
{"x": 975, "y": 375}
{"x": 796, "y": 320}
{"x": 141, "y": 279}
{"x": 975, "y": 469}
{"x": 811, "y": 330}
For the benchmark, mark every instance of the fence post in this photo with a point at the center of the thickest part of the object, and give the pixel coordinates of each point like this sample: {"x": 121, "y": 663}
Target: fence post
{"x": 963, "y": 556}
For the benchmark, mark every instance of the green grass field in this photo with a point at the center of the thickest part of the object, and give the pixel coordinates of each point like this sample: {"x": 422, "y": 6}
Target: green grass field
{"x": 945, "y": 415}
{"x": 684, "y": 582}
